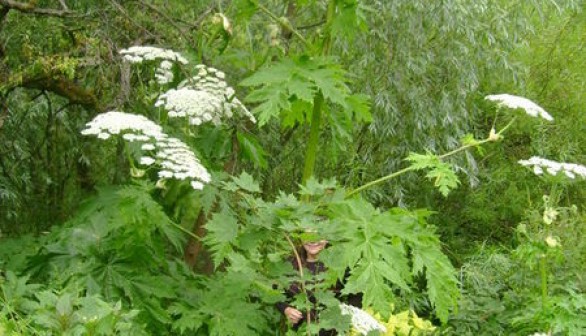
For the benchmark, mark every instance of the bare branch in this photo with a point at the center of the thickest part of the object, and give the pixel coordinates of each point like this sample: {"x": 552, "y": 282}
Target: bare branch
{"x": 30, "y": 8}
{"x": 171, "y": 21}
{"x": 65, "y": 88}
{"x": 123, "y": 11}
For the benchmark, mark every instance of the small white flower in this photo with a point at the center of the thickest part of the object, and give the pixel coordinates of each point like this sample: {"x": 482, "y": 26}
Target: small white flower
{"x": 166, "y": 65}
{"x": 165, "y": 174}
{"x": 147, "y": 160}
{"x": 515, "y": 102}
{"x": 147, "y": 147}
{"x": 552, "y": 242}
{"x": 362, "y": 321}
{"x": 195, "y": 121}
{"x": 129, "y": 137}
{"x": 103, "y": 136}
{"x": 493, "y": 136}
{"x": 549, "y": 215}
{"x": 196, "y": 185}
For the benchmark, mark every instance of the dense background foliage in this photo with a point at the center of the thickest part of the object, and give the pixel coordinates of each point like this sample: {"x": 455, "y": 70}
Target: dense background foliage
{"x": 85, "y": 249}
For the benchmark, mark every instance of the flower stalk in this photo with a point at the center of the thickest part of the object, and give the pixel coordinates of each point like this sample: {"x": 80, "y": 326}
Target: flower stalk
{"x": 491, "y": 138}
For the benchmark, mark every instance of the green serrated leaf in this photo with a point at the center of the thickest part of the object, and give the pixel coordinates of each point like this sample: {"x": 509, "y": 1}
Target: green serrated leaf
{"x": 246, "y": 182}
{"x": 301, "y": 89}
{"x": 222, "y": 228}
{"x": 444, "y": 178}
{"x": 359, "y": 104}
{"x": 442, "y": 285}
{"x": 299, "y": 113}
{"x": 422, "y": 161}
{"x": 222, "y": 232}
{"x": 252, "y": 150}
{"x": 350, "y": 20}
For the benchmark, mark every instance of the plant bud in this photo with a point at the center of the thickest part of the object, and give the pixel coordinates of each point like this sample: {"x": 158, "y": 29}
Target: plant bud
{"x": 135, "y": 172}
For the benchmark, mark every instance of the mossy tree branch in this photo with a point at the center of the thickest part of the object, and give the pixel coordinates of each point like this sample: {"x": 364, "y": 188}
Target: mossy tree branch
{"x": 31, "y": 8}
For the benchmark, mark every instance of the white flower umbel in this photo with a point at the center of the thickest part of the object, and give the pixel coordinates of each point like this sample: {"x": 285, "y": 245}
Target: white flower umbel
{"x": 203, "y": 98}
{"x": 515, "y": 102}
{"x": 138, "y": 54}
{"x": 174, "y": 156}
{"x": 163, "y": 73}
{"x": 197, "y": 106}
{"x": 362, "y": 321}
{"x": 540, "y": 165}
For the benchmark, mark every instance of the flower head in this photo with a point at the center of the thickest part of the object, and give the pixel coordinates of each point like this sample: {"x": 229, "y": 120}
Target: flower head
{"x": 139, "y": 54}
{"x": 362, "y": 321}
{"x": 515, "y": 102}
{"x": 195, "y": 105}
{"x": 549, "y": 215}
{"x": 174, "y": 156}
{"x": 539, "y": 165}
{"x": 163, "y": 73}
{"x": 203, "y": 98}
{"x": 552, "y": 241}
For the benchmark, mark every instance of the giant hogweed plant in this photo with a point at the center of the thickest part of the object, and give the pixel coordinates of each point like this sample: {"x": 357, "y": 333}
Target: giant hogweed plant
{"x": 548, "y": 252}
{"x": 535, "y": 290}
{"x": 249, "y": 237}
{"x": 387, "y": 252}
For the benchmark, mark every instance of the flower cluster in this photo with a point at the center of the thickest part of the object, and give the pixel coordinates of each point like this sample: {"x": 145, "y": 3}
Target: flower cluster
{"x": 197, "y": 106}
{"x": 552, "y": 241}
{"x": 139, "y": 54}
{"x": 174, "y": 156}
{"x": 571, "y": 170}
{"x": 362, "y": 321}
{"x": 203, "y": 98}
{"x": 515, "y": 102}
{"x": 163, "y": 73}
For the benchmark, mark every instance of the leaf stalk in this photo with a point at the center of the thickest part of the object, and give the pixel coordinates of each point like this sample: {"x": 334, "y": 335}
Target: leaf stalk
{"x": 443, "y": 156}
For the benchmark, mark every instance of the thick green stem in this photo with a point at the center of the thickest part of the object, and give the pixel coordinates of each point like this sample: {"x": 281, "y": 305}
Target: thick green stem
{"x": 311, "y": 151}
{"x": 318, "y": 100}
{"x": 327, "y": 44}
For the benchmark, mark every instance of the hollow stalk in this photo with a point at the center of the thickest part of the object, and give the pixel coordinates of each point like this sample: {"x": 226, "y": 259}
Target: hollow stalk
{"x": 311, "y": 152}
